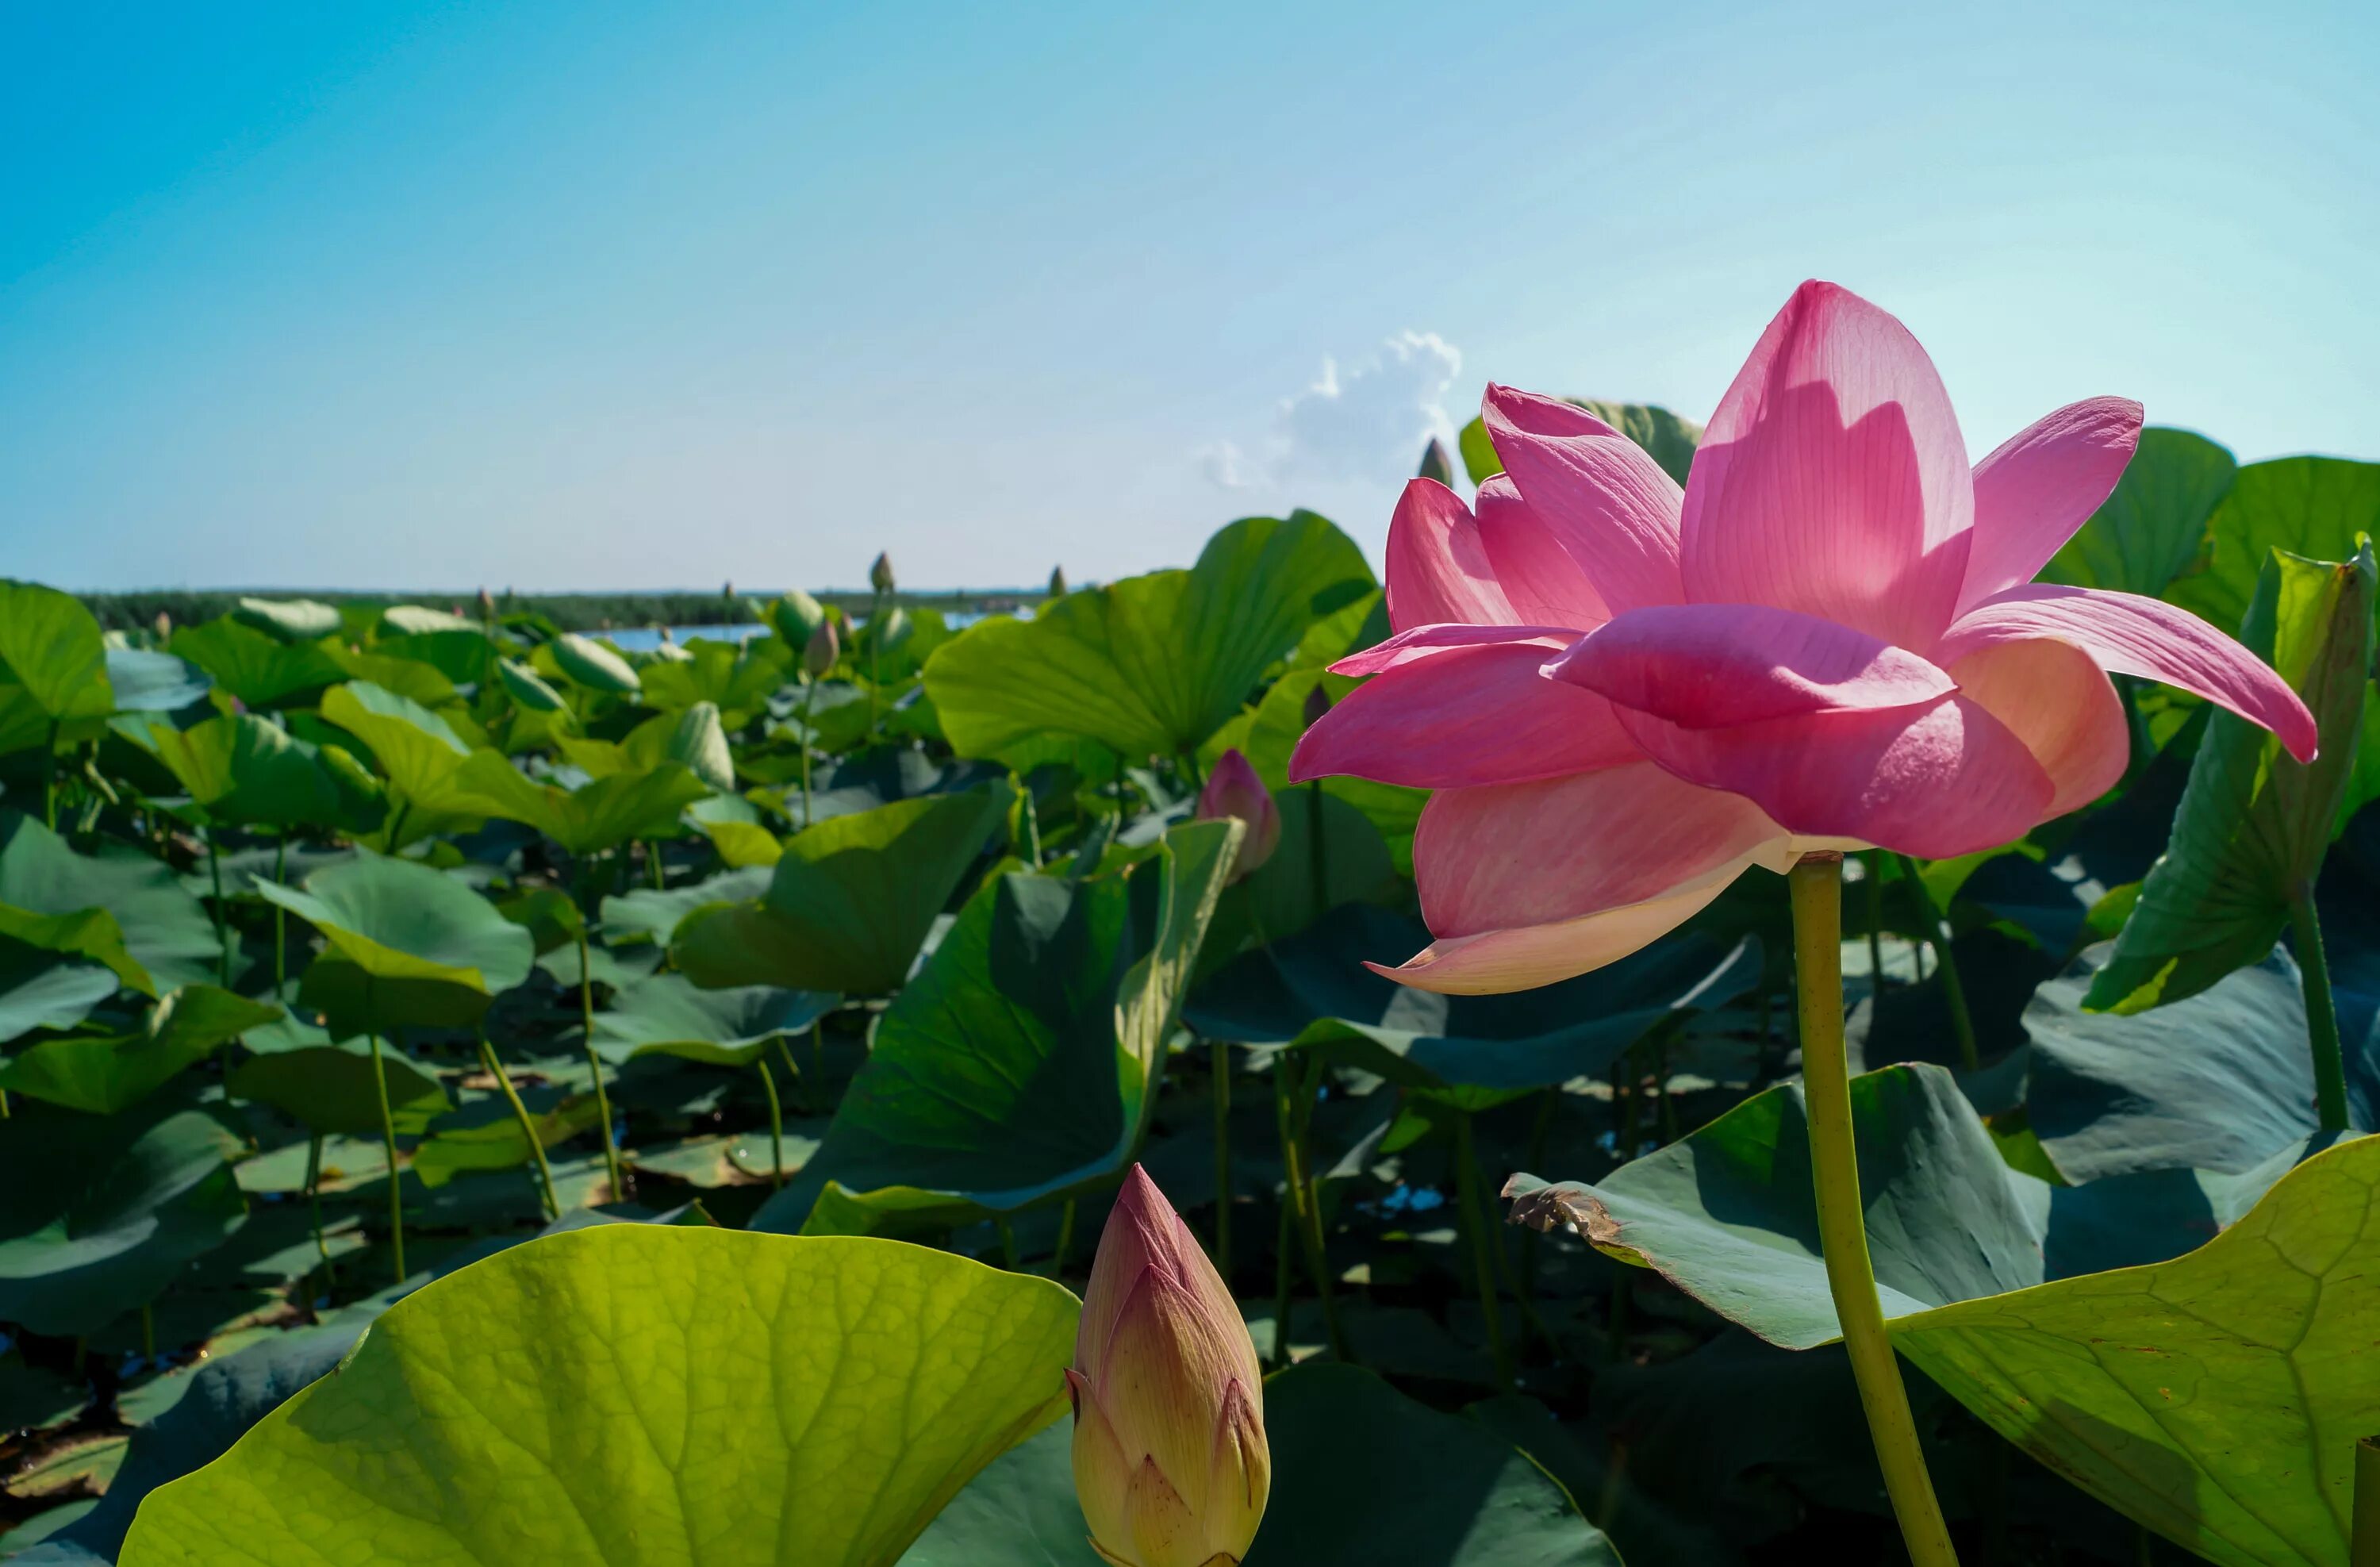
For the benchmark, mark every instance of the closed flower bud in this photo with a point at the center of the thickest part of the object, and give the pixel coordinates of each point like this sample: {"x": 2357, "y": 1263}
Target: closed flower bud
{"x": 1234, "y": 789}
{"x": 880, "y": 575}
{"x": 823, "y": 650}
{"x": 1170, "y": 1464}
{"x": 1057, "y": 582}
{"x": 1317, "y": 702}
{"x": 1435, "y": 464}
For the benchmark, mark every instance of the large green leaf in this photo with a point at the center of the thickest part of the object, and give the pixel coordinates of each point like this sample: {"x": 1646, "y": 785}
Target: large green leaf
{"x": 850, "y": 900}
{"x": 335, "y": 1087}
{"x": 291, "y": 620}
{"x": 2154, "y": 525}
{"x": 41, "y": 987}
{"x": 420, "y": 755}
{"x": 2253, "y": 823}
{"x": 97, "y": 1217}
{"x": 1151, "y": 664}
{"x": 652, "y": 914}
{"x": 1338, "y": 1434}
{"x": 244, "y": 770}
{"x": 1023, "y": 1061}
{"x": 592, "y": 664}
{"x": 787, "y": 1403}
{"x": 1729, "y": 1216}
{"x": 601, "y": 814}
{"x": 164, "y": 928}
{"x": 408, "y": 945}
{"x": 51, "y": 650}
{"x": 2309, "y": 506}
{"x": 667, "y": 1014}
{"x": 1312, "y": 991}
{"x": 103, "y": 1074}
{"x": 261, "y": 670}
{"x": 2218, "y": 1397}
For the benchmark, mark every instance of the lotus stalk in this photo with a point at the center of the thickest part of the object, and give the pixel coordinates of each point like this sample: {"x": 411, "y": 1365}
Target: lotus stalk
{"x": 1170, "y": 1463}
{"x": 595, "y": 1065}
{"x": 1937, "y": 936}
{"x": 388, "y": 1143}
{"x": 493, "y": 1065}
{"x": 776, "y": 1125}
{"x": 2322, "y": 1014}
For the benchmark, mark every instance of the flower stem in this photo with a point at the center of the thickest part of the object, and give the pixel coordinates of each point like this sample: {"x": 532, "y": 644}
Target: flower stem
{"x": 1295, "y": 1109}
{"x": 223, "y": 938}
{"x": 2322, "y": 1017}
{"x": 776, "y": 1125}
{"x": 314, "y": 1203}
{"x": 496, "y": 1068}
{"x": 1466, "y": 1193}
{"x": 1873, "y": 863}
{"x": 1937, "y": 936}
{"x": 595, "y": 1064}
{"x": 1816, "y": 884}
{"x": 1223, "y": 1091}
{"x": 281, "y": 919}
{"x": 388, "y": 1141}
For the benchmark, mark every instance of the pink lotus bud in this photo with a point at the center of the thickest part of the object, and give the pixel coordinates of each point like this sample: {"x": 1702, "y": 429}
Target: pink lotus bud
{"x": 1170, "y": 1463}
{"x": 1234, "y": 789}
{"x": 823, "y": 649}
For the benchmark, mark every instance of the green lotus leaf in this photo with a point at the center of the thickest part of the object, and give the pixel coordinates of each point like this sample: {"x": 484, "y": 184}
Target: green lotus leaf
{"x": 2313, "y": 507}
{"x": 420, "y": 755}
{"x": 153, "y": 682}
{"x": 51, "y": 651}
{"x": 652, "y": 914}
{"x": 790, "y": 1401}
{"x": 2154, "y": 526}
{"x": 850, "y": 900}
{"x": 596, "y": 816}
{"x": 668, "y": 1014}
{"x": 246, "y": 770}
{"x": 416, "y": 620}
{"x": 593, "y": 665}
{"x": 408, "y": 946}
{"x": 737, "y": 681}
{"x": 1022, "y": 1063}
{"x": 98, "y": 1217}
{"x": 290, "y": 620}
{"x": 335, "y": 1088}
{"x": 411, "y": 678}
{"x": 1668, "y": 440}
{"x": 796, "y": 618}
{"x": 486, "y": 1134}
{"x": 1313, "y": 992}
{"x": 263, "y": 671}
{"x": 90, "y": 933}
{"x": 529, "y": 688}
{"x": 1334, "y": 1431}
{"x": 2254, "y": 824}
{"x": 1152, "y": 664}
{"x": 105, "y": 1072}
{"x": 43, "y": 989}
{"x": 162, "y": 928}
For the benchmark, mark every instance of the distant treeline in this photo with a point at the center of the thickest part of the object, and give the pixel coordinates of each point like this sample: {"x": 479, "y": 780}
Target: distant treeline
{"x": 571, "y": 612}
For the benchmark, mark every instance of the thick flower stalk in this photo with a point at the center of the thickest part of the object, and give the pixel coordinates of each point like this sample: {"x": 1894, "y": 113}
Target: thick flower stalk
{"x": 1170, "y": 1464}
{"x": 1625, "y": 694}
{"x": 1235, "y": 790}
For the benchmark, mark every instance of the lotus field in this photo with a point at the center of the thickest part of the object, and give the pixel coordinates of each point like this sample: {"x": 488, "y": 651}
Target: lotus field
{"x": 1772, "y": 994}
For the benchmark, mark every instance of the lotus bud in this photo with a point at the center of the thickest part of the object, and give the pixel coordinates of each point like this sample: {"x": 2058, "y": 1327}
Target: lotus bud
{"x": 819, "y": 653}
{"x": 1170, "y": 1464}
{"x": 1234, "y": 789}
{"x": 880, "y": 575}
{"x": 1317, "y": 702}
{"x": 487, "y": 605}
{"x": 1435, "y": 464}
{"x": 164, "y": 627}
{"x": 1057, "y": 582}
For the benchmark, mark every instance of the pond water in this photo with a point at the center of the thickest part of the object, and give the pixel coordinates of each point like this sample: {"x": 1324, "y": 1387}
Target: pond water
{"x": 645, "y": 639}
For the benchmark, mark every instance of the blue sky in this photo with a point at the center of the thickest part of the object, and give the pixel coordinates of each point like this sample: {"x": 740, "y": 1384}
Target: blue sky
{"x": 642, "y": 296}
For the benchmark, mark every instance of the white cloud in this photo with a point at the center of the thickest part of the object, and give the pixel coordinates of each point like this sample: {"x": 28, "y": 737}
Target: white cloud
{"x": 1368, "y": 422}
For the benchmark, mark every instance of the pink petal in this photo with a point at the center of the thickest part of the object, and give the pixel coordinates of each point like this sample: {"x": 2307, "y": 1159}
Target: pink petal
{"x": 1437, "y": 568}
{"x": 1708, "y": 665}
{"x": 1421, "y": 641}
{"x": 2059, "y": 701}
{"x": 1833, "y": 479}
{"x": 1607, "y": 503}
{"x": 1538, "y": 577}
{"x": 1462, "y": 716}
{"x": 1557, "y": 848}
{"x": 1936, "y": 780}
{"x": 2135, "y": 636}
{"x": 2040, "y": 485}
{"x": 1521, "y": 959}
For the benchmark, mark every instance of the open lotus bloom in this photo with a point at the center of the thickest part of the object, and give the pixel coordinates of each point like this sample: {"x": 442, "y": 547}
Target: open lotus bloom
{"x": 1170, "y": 1464}
{"x": 1625, "y": 695}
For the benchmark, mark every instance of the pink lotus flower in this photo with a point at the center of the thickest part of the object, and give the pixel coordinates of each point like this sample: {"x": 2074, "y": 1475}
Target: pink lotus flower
{"x": 1170, "y": 1463}
{"x": 1625, "y": 694}
{"x": 1234, "y": 789}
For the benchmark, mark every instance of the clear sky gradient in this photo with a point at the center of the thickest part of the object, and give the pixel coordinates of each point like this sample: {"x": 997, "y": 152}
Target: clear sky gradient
{"x": 641, "y": 295}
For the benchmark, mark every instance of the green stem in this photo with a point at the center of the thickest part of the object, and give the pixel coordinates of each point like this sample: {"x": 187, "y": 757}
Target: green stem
{"x": 2364, "y": 1549}
{"x": 1007, "y": 1241}
{"x": 1539, "y": 1131}
{"x": 1937, "y": 936}
{"x": 50, "y": 778}
{"x": 1280, "y": 1276}
{"x": 1222, "y": 1089}
{"x": 1296, "y": 1119}
{"x": 657, "y": 872}
{"x": 149, "y": 1332}
{"x": 595, "y": 1064}
{"x": 1065, "y": 1240}
{"x": 280, "y": 918}
{"x": 1467, "y": 1193}
{"x": 1817, "y": 892}
{"x": 1317, "y": 862}
{"x": 216, "y": 907}
{"x": 776, "y": 1124}
{"x": 1873, "y": 863}
{"x": 314, "y": 1203}
{"x": 388, "y": 1141}
{"x": 794, "y": 1076}
{"x": 494, "y": 1067}
{"x": 2322, "y": 1017}
{"x": 809, "y": 706}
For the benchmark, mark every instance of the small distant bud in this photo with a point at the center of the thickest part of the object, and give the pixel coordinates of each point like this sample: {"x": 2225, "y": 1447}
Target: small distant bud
{"x": 880, "y": 575}
{"x": 1057, "y": 582}
{"x": 823, "y": 650}
{"x": 1170, "y": 1461}
{"x": 1317, "y": 702}
{"x": 487, "y": 605}
{"x": 665, "y": 634}
{"x": 727, "y": 589}
{"x": 165, "y": 625}
{"x": 1435, "y": 464}
{"x": 1234, "y": 789}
